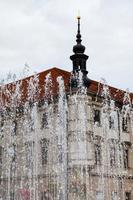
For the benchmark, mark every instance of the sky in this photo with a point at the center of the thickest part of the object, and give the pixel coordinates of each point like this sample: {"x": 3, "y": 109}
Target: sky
{"x": 41, "y": 33}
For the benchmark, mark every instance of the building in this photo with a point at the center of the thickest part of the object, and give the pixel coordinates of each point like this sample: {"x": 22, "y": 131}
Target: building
{"x": 65, "y": 137}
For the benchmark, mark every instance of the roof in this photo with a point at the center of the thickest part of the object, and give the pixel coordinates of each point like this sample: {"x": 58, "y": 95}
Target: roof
{"x": 17, "y": 93}
{"x": 115, "y": 93}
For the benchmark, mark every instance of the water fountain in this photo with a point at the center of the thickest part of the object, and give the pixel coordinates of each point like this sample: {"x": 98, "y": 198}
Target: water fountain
{"x": 57, "y": 149}
{"x": 65, "y": 137}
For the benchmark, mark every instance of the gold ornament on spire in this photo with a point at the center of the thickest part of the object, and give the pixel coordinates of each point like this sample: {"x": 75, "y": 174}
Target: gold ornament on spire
{"x": 78, "y": 17}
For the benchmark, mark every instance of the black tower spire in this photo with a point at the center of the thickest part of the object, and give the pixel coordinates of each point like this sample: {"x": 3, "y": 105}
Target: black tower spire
{"x": 79, "y": 58}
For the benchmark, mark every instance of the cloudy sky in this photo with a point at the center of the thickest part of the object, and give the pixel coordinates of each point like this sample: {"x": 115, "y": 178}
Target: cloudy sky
{"x": 41, "y": 33}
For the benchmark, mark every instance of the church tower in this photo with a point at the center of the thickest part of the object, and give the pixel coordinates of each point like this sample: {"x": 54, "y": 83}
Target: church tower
{"x": 79, "y": 59}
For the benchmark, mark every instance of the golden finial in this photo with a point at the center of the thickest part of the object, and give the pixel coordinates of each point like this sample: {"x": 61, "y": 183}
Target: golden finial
{"x": 78, "y": 17}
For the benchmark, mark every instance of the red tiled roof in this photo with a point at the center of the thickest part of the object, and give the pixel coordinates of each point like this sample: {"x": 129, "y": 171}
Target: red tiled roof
{"x": 7, "y": 91}
{"x": 116, "y": 94}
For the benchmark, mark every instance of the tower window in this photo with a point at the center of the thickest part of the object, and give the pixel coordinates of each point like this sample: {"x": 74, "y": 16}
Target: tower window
{"x": 44, "y": 150}
{"x": 97, "y": 117}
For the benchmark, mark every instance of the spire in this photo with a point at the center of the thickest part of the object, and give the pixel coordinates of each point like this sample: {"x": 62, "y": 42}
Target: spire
{"x": 79, "y": 48}
{"x": 79, "y": 58}
{"x": 78, "y": 33}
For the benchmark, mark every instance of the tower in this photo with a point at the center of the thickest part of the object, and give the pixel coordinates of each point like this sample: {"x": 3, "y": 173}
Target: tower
{"x": 79, "y": 59}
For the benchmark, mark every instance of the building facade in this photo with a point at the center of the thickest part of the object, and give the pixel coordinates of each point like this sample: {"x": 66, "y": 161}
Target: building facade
{"x": 65, "y": 137}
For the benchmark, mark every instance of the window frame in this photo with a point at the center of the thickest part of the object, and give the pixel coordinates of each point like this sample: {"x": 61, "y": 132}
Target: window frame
{"x": 97, "y": 117}
{"x": 129, "y": 195}
{"x": 125, "y": 124}
{"x": 44, "y": 120}
{"x": 44, "y": 150}
{"x": 112, "y": 155}
{"x": 111, "y": 122}
{"x": 98, "y": 154}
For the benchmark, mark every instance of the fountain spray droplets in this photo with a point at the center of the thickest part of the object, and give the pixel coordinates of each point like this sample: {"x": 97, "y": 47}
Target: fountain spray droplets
{"x": 11, "y": 77}
{"x": 62, "y": 140}
{"x": 48, "y": 88}
{"x": 63, "y": 146}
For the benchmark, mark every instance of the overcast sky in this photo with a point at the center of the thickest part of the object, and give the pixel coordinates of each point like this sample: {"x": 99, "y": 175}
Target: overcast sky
{"x": 42, "y": 33}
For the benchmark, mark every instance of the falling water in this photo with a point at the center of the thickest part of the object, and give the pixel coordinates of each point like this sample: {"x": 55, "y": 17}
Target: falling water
{"x": 66, "y": 146}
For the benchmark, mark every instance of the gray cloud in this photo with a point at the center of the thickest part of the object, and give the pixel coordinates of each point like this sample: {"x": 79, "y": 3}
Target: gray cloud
{"x": 42, "y": 34}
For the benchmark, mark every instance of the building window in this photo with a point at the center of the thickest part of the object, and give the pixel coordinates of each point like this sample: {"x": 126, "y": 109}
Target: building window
{"x": 12, "y": 196}
{"x": 112, "y": 156}
{"x": 125, "y": 155}
{"x": 111, "y": 122}
{"x": 31, "y": 123}
{"x": 14, "y": 153}
{"x": 114, "y": 196}
{"x": 99, "y": 196}
{"x": 1, "y": 154}
{"x": 97, "y": 117}
{"x": 44, "y": 120}
{"x": 98, "y": 154}
{"x": 14, "y": 128}
{"x": 1, "y": 125}
{"x": 124, "y": 124}
{"x": 44, "y": 150}
{"x": 29, "y": 148}
{"x": 60, "y": 154}
{"x": 44, "y": 196}
{"x": 127, "y": 195}
{"x": 120, "y": 154}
